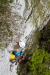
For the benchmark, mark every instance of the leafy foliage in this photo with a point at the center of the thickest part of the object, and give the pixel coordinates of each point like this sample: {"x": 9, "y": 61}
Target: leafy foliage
{"x": 5, "y": 12}
{"x": 39, "y": 63}
{"x": 48, "y": 40}
{"x": 4, "y": 5}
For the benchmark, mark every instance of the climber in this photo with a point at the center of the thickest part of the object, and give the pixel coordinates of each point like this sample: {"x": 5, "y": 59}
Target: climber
{"x": 17, "y": 52}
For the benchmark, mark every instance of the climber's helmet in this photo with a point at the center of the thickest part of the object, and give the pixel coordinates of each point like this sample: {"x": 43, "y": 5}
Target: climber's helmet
{"x": 22, "y": 44}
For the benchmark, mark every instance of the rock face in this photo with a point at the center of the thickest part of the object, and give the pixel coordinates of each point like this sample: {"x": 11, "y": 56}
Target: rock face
{"x": 12, "y": 20}
{"x": 24, "y": 20}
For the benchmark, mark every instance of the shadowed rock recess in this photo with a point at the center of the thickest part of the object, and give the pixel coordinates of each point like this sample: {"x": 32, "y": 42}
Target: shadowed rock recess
{"x": 45, "y": 37}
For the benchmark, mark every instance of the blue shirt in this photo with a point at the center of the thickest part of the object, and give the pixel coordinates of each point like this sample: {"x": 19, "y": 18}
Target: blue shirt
{"x": 18, "y": 53}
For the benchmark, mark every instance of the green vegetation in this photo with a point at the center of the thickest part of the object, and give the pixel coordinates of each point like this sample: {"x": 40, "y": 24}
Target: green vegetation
{"x": 40, "y": 63}
{"x": 4, "y": 6}
{"x": 48, "y": 40}
{"x": 5, "y": 13}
